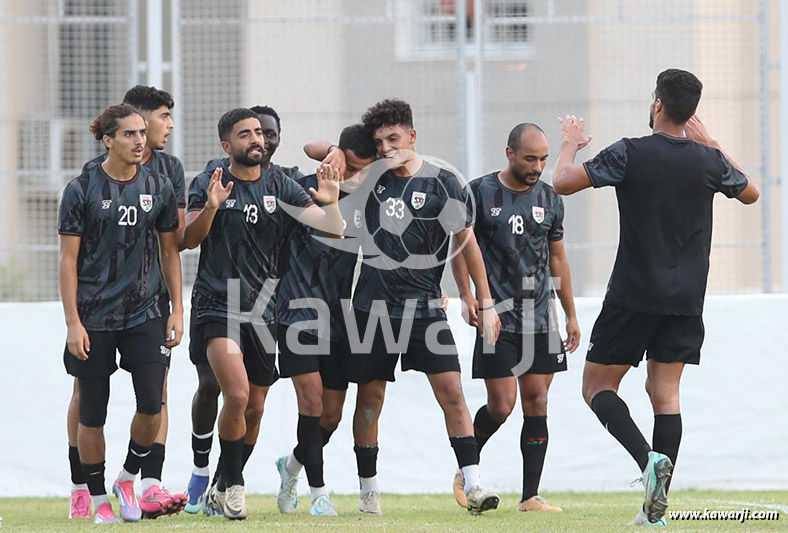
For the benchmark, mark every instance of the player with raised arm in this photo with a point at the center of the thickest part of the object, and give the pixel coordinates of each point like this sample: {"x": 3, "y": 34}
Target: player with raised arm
{"x": 665, "y": 185}
{"x": 235, "y": 218}
{"x": 409, "y": 299}
{"x": 118, "y": 223}
{"x": 155, "y": 107}
{"x": 205, "y": 402}
{"x": 519, "y": 228}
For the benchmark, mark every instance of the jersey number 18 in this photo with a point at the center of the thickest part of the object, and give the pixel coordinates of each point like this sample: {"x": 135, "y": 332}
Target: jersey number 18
{"x": 518, "y": 225}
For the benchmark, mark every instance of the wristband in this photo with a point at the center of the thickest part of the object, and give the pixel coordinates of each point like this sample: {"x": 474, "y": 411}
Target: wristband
{"x": 487, "y": 308}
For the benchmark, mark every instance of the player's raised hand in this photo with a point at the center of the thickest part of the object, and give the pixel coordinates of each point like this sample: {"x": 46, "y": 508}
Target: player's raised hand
{"x": 218, "y": 193}
{"x": 572, "y": 335}
{"x": 327, "y": 192}
{"x": 470, "y": 309}
{"x": 336, "y": 160}
{"x": 78, "y": 341}
{"x": 696, "y": 131}
{"x": 572, "y": 132}
{"x": 174, "y": 330}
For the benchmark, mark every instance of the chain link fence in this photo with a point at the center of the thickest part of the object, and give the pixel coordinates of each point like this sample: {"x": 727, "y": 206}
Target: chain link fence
{"x": 472, "y": 69}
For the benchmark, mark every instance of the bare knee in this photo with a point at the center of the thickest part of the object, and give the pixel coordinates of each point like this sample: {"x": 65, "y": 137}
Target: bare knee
{"x": 499, "y": 408}
{"x": 236, "y": 400}
{"x": 330, "y": 418}
{"x": 535, "y": 403}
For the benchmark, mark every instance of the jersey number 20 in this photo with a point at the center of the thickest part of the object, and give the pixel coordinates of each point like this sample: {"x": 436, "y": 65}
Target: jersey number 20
{"x": 128, "y": 215}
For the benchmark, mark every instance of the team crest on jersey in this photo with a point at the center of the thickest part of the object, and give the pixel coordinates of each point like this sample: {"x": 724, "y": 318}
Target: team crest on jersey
{"x": 146, "y": 202}
{"x": 229, "y": 204}
{"x": 357, "y": 221}
{"x": 538, "y": 213}
{"x": 269, "y": 203}
{"x": 418, "y": 199}
{"x": 380, "y": 189}
{"x": 495, "y": 211}
{"x": 106, "y": 204}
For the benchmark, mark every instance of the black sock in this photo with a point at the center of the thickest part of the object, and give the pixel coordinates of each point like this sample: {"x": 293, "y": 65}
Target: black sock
{"x": 201, "y": 449}
{"x": 94, "y": 474}
{"x": 232, "y": 465}
{"x": 484, "y": 426}
{"x": 667, "y": 437}
{"x": 154, "y": 462}
{"x": 309, "y": 450}
{"x": 218, "y": 473}
{"x": 135, "y": 456}
{"x": 248, "y": 449}
{"x": 366, "y": 460}
{"x": 77, "y": 476}
{"x": 614, "y": 415}
{"x": 533, "y": 446}
{"x": 326, "y": 434}
{"x": 465, "y": 450}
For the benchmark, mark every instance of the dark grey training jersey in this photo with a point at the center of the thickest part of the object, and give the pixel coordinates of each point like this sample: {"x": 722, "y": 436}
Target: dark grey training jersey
{"x": 160, "y": 163}
{"x": 410, "y": 220}
{"x": 120, "y": 281}
{"x": 244, "y": 242}
{"x": 514, "y": 230}
{"x": 311, "y": 268}
{"x": 665, "y": 188}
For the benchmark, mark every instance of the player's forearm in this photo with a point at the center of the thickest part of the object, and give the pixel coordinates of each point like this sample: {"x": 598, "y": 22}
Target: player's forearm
{"x": 317, "y": 150}
{"x": 171, "y": 269}
{"x": 331, "y": 223}
{"x": 559, "y": 268}
{"x": 478, "y": 273}
{"x": 197, "y": 229}
{"x": 68, "y": 289}
{"x": 459, "y": 269}
{"x": 180, "y": 233}
{"x": 565, "y": 161}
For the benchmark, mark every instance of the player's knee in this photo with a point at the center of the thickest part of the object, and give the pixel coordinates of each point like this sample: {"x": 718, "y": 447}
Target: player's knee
{"x": 236, "y": 400}
{"x": 535, "y": 404}
{"x": 147, "y": 405}
{"x": 92, "y": 416}
{"x": 253, "y": 414}
{"x": 208, "y": 389}
{"x": 330, "y": 418}
{"x": 500, "y": 410}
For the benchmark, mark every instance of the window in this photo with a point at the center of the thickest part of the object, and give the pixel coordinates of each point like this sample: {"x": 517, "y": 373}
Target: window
{"x": 427, "y": 29}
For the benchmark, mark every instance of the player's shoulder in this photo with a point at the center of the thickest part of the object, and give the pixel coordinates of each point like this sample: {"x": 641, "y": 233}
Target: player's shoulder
{"x": 213, "y": 164}
{"x": 305, "y": 182}
{"x": 81, "y": 183}
{"x": 95, "y": 161}
{"x": 484, "y": 181}
{"x": 153, "y": 176}
{"x": 290, "y": 172}
{"x": 165, "y": 160}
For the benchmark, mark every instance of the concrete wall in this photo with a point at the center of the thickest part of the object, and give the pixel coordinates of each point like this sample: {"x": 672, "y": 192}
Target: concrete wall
{"x": 734, "y": 412}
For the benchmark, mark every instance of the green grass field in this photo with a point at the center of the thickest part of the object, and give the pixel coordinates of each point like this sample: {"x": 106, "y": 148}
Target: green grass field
{"x": 583, "y": 512}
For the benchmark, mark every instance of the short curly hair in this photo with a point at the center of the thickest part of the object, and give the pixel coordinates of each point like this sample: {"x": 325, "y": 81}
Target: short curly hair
{"x": 389, "y": 112}
{"x": 148, "y": 98}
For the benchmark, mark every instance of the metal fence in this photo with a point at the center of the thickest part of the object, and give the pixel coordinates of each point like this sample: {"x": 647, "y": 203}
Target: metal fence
{"x": 471, "y": 69}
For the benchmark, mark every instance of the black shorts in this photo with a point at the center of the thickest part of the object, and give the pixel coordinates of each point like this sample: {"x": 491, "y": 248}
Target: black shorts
{"x": 140, "y": 344}
{"x": 621, "y": 336}
{"x": 260, "y": 364}
{"x": 331, "y": 363}
{"x": 378, "y": 362}
{"x": 516, "y": 354}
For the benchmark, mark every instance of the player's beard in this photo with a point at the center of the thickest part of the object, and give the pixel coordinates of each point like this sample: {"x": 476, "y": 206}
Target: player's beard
{"x": 247, "y": 160}
{"x": 523, "y": 178}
